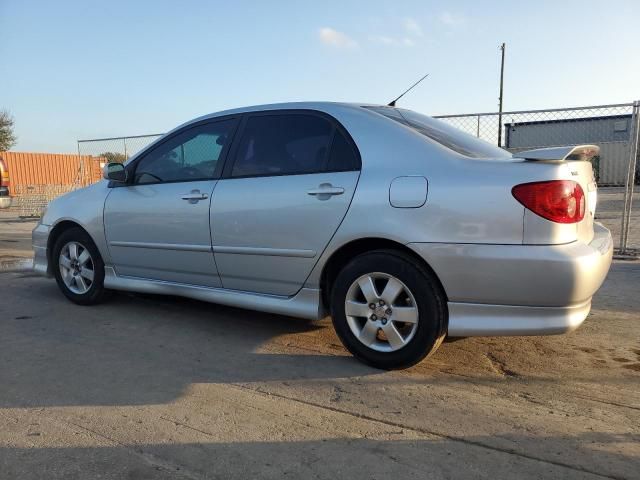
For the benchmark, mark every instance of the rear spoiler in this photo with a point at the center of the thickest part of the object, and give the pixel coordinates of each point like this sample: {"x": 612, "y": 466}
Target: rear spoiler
{"x": 578, "y": 152}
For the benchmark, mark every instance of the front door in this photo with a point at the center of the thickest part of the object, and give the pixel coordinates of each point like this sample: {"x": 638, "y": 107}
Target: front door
{"x": 157, "y": 225}
{"x": 281, "y": 200}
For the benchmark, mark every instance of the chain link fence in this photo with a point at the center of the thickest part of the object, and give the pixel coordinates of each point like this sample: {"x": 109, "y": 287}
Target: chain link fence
{"x": 36, "y": 178}
{"x": 117, "y": 149}
{"x": 31, "y": 200}
{"x": 614, "y": 128}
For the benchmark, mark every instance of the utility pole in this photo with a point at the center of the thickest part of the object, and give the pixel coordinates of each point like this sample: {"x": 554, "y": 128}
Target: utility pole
{"x": 502, "y": 47}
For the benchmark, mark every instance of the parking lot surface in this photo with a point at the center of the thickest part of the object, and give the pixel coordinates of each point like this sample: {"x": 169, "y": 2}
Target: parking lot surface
{"x": 160, "y": 387}
{"x": 15, "y": 239}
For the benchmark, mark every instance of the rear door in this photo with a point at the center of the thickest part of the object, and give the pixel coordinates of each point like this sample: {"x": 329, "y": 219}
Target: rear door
{"x": 157, "y": 226}
{"x": 281, "y": 199}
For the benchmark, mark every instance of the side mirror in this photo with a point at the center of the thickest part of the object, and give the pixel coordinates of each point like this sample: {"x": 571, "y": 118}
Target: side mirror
{"x": 115, "y": 172}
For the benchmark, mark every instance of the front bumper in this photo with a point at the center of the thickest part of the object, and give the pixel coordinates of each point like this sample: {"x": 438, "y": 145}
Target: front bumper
{"x": 39, "y": 239}
{"x": 519, "y": 289}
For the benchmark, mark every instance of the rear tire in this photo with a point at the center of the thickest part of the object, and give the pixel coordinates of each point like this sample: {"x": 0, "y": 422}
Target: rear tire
{"x": 388, "y": 310}
{"x": 78, "y": 267}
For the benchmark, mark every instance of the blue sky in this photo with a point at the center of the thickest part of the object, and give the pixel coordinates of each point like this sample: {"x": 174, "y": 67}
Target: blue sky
{"x": 86, "y": 69}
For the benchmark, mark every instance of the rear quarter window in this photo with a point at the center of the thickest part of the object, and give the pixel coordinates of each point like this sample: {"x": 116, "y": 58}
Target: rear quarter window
{"x": 343, "y": 156}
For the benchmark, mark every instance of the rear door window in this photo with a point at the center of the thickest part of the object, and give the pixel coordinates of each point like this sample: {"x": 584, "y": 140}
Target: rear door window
{"x": 283, "y": 144}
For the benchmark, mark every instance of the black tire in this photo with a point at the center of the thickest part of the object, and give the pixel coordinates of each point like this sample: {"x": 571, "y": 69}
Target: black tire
{"x": 429, "y": 298}
{"x": 96, "y": 292}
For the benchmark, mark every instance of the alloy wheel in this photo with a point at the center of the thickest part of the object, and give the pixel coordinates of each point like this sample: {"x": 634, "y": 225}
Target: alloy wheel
{"x": 381, "y": 312}
{"x": 76, "y": 267}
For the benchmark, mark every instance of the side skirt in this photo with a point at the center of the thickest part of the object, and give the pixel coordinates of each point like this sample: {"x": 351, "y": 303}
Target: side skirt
{"x": 305, "y": 304}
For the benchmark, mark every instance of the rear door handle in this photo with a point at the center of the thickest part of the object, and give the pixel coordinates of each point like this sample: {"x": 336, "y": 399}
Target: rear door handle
{"x": 194, "y": 196}
{"x": 326, "y": 189}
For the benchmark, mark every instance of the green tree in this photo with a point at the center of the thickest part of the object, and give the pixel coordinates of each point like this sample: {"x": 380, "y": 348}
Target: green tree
{"x": 113, "y": 157}
{"x": 7, "y": 137}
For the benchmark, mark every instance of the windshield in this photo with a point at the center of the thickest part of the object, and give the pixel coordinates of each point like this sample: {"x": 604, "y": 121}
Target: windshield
{"x": 443, "y": 133}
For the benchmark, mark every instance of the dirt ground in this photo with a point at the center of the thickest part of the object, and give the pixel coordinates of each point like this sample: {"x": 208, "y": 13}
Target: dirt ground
{"x": 609, "y": 213}
{"x": 159, "y": 387}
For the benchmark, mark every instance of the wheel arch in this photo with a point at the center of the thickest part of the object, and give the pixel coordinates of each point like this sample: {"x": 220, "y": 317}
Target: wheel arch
{"x": 58, "y": 229}
{"x": 357, "y": 247}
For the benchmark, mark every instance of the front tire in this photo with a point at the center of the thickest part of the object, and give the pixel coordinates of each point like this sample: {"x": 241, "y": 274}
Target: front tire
{"x": 388, "y": 310}
{"x": 78, "y": 267}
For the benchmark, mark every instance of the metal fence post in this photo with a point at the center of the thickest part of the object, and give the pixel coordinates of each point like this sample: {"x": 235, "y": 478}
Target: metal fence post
{"x": 124, "y": 141}
{"x": 478, "y": 127}
{"x": 634, "y": 141}
{"x": 79, "y": 174}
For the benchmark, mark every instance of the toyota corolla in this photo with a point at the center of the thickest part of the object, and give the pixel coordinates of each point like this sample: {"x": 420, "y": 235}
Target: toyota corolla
{"x": 402, "y": 228}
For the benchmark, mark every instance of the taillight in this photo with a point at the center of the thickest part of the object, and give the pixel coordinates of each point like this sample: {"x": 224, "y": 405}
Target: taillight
{"x": 560, "y": 201}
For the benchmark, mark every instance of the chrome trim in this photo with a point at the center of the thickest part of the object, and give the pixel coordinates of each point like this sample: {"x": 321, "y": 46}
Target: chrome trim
{"x": 305, "y": 304}
{"x": 275, "y": 252}
{"x": 474, "y": 319}
{"x": 183, "y": 247}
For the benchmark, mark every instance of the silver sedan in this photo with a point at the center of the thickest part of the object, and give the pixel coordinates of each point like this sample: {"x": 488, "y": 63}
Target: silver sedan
{"x": 401, "y": 227}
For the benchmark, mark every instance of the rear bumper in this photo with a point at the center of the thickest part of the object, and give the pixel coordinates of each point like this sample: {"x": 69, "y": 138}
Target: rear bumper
{"x": 39, "y": 239}
{"x": 475, "y": 319}
{"x": 519, "y": 289}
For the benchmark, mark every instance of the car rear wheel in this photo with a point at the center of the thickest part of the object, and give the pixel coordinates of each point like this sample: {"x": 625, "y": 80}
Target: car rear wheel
{"x": 78, "y": 267}
{"x": 388, "y": 311}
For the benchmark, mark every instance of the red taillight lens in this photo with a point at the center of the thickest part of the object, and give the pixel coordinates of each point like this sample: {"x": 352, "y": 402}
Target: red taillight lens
{"x": 560, "y": 201}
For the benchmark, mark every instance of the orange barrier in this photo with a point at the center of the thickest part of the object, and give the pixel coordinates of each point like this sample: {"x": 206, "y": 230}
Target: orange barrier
{"x": 31, "y": 169}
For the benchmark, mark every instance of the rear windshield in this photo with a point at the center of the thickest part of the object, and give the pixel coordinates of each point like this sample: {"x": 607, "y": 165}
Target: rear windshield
{"x": 443, "y": 133}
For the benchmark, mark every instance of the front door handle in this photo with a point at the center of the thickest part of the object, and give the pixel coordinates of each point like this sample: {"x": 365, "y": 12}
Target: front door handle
{"x": 325, "y": 190}
{"x": 194, "y": 196}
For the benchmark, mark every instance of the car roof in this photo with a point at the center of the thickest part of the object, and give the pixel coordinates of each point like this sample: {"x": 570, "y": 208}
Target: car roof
{"x": 317, "y": 105}
{"x": 331, "y": 108}
{"x": 322, "y": 106}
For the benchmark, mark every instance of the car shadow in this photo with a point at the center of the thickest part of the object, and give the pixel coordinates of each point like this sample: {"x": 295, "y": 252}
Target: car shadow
{"x": 144, "y": 349}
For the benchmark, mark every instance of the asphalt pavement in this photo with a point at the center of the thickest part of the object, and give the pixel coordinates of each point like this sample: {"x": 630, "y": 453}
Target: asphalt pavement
{"x": 160, "y": 387}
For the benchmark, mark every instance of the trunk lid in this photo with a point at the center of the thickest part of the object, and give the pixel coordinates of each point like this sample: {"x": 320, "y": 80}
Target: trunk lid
{"x": 578, "y": 161}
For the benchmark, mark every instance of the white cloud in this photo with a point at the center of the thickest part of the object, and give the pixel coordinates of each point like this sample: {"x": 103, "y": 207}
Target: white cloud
{"x": 336, "y": 39}
{"x": 412, "y": 27}
{"x": 392, "y": 41}
{"x": 451, "y": 20}
{"x": 412, "y": 32}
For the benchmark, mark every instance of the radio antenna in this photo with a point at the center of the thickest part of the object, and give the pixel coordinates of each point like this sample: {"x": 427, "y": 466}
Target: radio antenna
{"x": 392, "y": 103}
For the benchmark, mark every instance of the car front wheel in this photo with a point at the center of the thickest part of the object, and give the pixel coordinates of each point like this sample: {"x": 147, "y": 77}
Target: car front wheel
{"x": 78, "y": 267}
{"x": 388, "y": 310}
